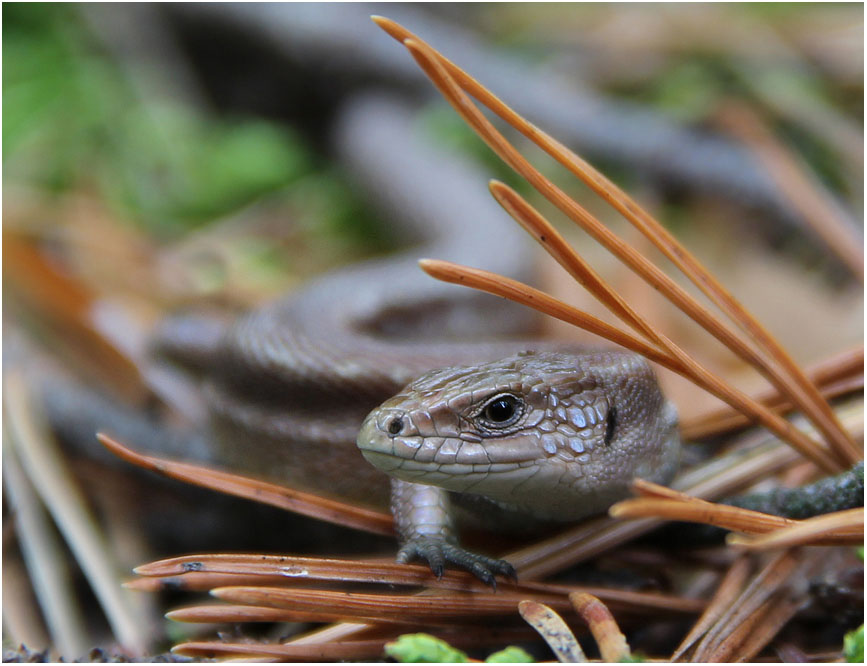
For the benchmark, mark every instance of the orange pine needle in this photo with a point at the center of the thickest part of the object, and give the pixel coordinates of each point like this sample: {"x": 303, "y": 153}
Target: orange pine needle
{"x": 306, "y": 504}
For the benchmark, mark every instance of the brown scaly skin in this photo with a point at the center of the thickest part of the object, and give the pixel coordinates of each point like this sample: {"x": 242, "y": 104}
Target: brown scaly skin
{"x": 289, "y": 384}
{"x": 545, "y": 436}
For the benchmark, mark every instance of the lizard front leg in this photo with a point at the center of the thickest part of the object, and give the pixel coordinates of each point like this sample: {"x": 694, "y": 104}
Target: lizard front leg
{"x": 424, "y": 524}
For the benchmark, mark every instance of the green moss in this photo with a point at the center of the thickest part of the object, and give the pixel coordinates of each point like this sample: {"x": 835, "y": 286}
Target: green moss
{"x": 423, "y": 649}
{"x": 71, "y": 119}
{"x": 853, "y": 646}
{"x": 510, "y": 655}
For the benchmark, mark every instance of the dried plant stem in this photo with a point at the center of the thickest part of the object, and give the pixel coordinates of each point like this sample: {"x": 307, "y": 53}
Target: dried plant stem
{"x": 225, "y": 613}
{"x": 845, "y": 526}
{"x": 722, "y": 421}
{"x": 519, "y": 292}
{"x": 759, "y": 590}
{"x": 683, "y": 364}
{"x": 54, "y": 485}
{"x": 805, "y": 192}
{"x": 330, "y": 652}
{"x": 43, "y": 556}
{"x": 800, "y": 390}
{"x": 780, "y": 611}
{"x": 731, "y": 584}
{"x": 838, "y": 375}
{"x": 224, "y": 570}
{"x": 306, "y": 504}
{"x": 699, "y": 511}
{"x": 22, "y": 620}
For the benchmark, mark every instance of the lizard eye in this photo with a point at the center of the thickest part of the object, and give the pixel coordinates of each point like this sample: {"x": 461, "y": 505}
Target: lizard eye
{"x": 502, "y": 410}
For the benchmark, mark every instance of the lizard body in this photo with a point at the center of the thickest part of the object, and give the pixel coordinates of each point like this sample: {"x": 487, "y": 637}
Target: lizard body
{"x": 289, "y": 384}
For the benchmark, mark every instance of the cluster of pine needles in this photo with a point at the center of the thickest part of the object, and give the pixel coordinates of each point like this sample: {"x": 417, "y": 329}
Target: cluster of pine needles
{"x": 750, "y": 589}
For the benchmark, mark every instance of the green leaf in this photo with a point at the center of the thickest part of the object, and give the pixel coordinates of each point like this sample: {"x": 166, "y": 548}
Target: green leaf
{"x": 853, "y": 646}
{"x": 423, "y": 649}
{"x": 510, "y": 655}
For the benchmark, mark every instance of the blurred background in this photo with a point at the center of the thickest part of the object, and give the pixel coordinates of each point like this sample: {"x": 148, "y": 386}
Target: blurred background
{"x": 160, "y": 156}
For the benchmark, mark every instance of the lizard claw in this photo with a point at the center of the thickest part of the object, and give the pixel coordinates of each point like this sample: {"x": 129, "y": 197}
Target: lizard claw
{"x": 437, "y": 552}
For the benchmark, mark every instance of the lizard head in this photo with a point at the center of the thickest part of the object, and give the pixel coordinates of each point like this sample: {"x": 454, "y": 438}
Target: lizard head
{"x": 559, "y": 436}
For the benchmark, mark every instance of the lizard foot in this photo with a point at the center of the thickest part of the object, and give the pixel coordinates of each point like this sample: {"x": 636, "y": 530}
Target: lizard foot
{"x": 437, "y": 552}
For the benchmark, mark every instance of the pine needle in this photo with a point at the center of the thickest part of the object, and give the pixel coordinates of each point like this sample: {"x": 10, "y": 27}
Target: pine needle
{"x": 450, "y": 79}
{"x": 307, "y": 504}
{"x": 840, "y": 527}
{"x": 730, "y": 586}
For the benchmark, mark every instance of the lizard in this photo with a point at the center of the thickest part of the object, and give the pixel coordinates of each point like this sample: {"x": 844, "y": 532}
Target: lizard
{"x": 535, "y": 437}
{"x": 289, "y": 384}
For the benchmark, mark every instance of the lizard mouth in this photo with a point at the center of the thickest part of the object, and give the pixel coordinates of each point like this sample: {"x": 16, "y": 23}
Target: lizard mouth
{"x": 382, "y": 461}
{"x": 485, "y": 478}
{"x": 379, "y": 450}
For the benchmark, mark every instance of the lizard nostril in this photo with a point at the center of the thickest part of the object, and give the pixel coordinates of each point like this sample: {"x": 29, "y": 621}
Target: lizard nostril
{"x": 395, "y": 425}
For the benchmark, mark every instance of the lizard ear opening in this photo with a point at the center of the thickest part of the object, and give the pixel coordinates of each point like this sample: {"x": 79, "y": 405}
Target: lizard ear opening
{"x": 610, "y": 425}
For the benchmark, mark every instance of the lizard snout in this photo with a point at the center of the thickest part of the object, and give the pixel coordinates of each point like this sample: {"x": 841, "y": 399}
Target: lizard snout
{"x": 383, "y": 434}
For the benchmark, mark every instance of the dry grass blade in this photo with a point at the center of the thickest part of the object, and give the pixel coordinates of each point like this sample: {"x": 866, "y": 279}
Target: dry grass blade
{"x": 650, "y": 489}
{"x": 799, "y": 389}
{"x": 404, "y": 607}
{"x": 204, "y": 572}
{"x": 334, "y": 651}
{"x": 611, "y": 641}
{"x": 542, "y": 302}
{"x": 721, "y": 515}
{"x": 726, "y": 649}
{"x": 731, "y": 584}
{"x": 554, "y": 243}
{"x": 805, "y": 192}
{"x": 634, "y": 602}
{"x": 68, "y": 305}
{"x": 771, "y": 599}
{"x": 22, "y": 619}
{"x": 292, "y": 569}
{"x": 681, "y": 363}
{"x": 762, "y": 587}
{"x": 553, "y": 630}
{"x": 306, "y": 504}
{"x": 333, "y": 633}
{"x": 770, "y": 622}
{"x": 257, "y": 570}
{"x": 841, "y": 527}
{"x": 661, "y": 502}
{"x": 336, "y": 647}
{"x": 225, "y": 613}
{"x": 726, "y": 420}
{"x": 839, "y": 375}
{"x": 44, "y": 559}
{"x": 54, "y": 485}
{"x": 197, "y": 582}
